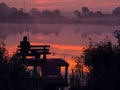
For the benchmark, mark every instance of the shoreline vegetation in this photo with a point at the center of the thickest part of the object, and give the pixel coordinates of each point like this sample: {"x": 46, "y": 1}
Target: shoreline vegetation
{"x": 81, "y": 22}
{"x": 103, "y": 60}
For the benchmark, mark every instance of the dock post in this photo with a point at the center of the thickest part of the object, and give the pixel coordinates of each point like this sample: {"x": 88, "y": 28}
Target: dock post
{"x": 44, "y": 54}
{"x": 66, "y": 72}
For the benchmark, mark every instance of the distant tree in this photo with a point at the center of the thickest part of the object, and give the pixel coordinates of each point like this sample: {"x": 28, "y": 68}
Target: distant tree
{"x": 116, "y": 11}
{"x": 35, "y": 13}
{"x": 13, "y": 10}
{"x": 47, "y": 14}
{"x": 91, "y": 13}
{"x": 13, "y": 14}
{"x": 85, "y": 11}
{"x": 20, "y": 16}
{"x": 4, "y": 12}
{"x": 77, "y": 13}
{"x": 4, "y": 9}
{"x": 98, "y": 13}
{"x": 57, "y": 13}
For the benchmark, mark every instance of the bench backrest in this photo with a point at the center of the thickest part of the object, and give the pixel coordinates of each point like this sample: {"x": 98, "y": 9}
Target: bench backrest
{"x": 37, "y": 49}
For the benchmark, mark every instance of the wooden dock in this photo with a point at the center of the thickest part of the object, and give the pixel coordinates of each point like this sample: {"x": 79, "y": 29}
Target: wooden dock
{"x": 50, "y": 68}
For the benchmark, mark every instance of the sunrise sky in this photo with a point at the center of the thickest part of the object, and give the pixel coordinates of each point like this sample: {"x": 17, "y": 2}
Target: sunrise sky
{"x": 65, "y": 5}
{"x": 64, "y": 39}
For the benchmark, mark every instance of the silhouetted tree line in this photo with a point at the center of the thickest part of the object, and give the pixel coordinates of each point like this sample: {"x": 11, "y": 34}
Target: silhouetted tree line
{"x": 85, "y": 12}
{"x": 15, "y": 15}
{"x": 103, "y": 59}
{"x": 98, "y": 17}
{"x": 14, "y": 75}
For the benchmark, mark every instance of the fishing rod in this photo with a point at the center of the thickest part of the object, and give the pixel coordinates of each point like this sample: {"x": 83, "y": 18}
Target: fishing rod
{"x": 26, "y": 20}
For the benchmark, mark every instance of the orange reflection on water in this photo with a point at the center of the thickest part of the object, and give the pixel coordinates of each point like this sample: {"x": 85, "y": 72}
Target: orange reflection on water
{"x": 86, "y": 69}
{"x": 61, "y": 48}
{"x": 67, "y": 47}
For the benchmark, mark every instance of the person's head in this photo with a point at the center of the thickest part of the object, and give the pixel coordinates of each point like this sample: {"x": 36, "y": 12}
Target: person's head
{"x": 25, "y": 38}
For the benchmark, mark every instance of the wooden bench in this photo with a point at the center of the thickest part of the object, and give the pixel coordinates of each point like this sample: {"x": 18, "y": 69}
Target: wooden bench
{"x": 37, "y": 51}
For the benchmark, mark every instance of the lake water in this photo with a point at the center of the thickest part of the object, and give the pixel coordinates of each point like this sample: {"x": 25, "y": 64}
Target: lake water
{"x": 66, "y": 40}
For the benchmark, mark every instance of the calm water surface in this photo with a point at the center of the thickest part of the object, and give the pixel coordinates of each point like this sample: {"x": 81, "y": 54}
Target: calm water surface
{"x": 65, "y": 39}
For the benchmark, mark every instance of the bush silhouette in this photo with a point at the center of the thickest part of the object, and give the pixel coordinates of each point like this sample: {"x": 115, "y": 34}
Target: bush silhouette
{"x": 13, "y": 74}
{"x": 104, "y": 60}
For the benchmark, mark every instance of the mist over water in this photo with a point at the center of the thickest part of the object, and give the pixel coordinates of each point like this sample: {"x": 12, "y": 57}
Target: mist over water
{"x": 75, "y": 35}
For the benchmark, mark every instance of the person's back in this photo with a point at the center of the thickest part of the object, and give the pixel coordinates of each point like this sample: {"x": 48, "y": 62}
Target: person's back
{"x": 25, "y": 46}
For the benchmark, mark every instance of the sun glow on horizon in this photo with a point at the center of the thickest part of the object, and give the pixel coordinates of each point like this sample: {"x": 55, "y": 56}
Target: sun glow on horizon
{"x": 41, "y": 1}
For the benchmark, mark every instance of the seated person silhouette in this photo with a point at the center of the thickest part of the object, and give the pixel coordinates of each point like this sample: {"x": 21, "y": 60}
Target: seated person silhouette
{"x": 25, "y": 46}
